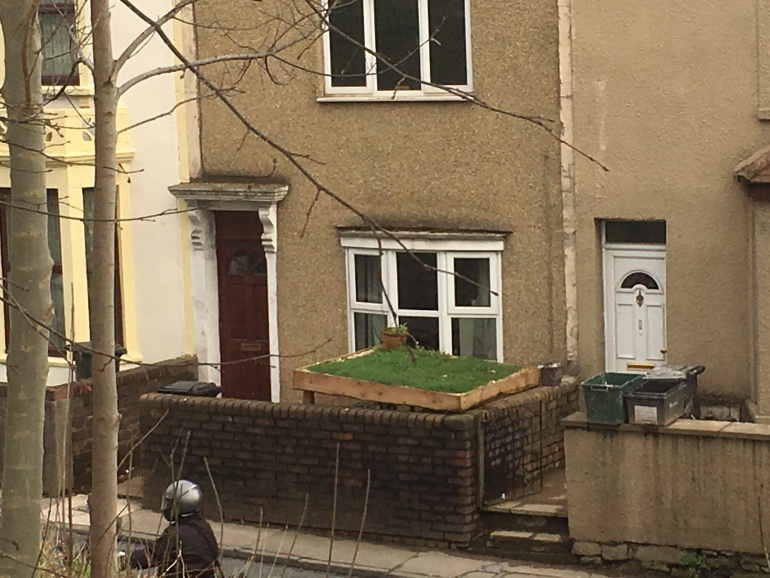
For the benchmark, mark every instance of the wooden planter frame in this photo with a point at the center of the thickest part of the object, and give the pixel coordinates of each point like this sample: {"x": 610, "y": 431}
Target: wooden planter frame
{"x": 310, "y": 383}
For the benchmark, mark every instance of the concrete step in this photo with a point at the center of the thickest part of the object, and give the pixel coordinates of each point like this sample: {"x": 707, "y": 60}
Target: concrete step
{"x": 515, "y": 516}
{"x": 533, "y": 541}
{"x": 546, "y": 547}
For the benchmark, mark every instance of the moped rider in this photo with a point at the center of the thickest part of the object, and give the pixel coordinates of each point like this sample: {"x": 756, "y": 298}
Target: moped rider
{"x": 187, "y": 548}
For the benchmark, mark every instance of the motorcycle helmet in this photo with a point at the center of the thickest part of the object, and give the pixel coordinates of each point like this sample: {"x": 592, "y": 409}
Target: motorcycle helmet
{"x": 181, "y": 499}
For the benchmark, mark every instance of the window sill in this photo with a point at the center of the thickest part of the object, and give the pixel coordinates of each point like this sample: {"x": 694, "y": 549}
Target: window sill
{"x": 391, "y": 98}
{"x": 52, "y": 361}
{"x": 130, "y": 360}
{"x": 50, "y": 90}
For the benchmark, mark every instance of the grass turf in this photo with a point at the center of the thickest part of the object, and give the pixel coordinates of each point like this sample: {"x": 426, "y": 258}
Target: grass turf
{"x": 429, "y": 370}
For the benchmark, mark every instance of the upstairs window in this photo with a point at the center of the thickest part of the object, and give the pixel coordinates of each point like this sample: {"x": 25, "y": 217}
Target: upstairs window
{"x": 397, "y": 48}
{"x": 446, "y": 292}
{"x": 58, "y": 37}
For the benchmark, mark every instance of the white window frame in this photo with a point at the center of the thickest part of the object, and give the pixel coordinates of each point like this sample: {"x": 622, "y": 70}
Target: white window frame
{"x": 370, "y": 91}
{"x": 447, "y": 248}
{"x": 72, "y": 7}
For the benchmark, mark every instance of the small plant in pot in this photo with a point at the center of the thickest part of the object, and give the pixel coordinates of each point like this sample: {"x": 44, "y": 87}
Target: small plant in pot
{"x": 393, "y": 337}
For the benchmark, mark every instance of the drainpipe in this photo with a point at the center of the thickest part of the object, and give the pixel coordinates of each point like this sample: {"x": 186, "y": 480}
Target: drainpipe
{"x": 568, "y": 182}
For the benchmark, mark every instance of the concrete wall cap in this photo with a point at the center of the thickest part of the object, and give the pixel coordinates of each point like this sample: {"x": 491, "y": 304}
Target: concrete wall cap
{"x": 693, "y": 427}
{"x": 458, "y": 422}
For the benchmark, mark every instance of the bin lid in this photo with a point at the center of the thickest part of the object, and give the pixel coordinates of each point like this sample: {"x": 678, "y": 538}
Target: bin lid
{"x": 192, "y": 388}
{"x": 670, "y": 372}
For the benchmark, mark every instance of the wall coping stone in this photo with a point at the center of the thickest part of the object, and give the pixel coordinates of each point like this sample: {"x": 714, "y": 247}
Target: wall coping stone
{"x": 320, "y": 413}
{"x": 536, "y": 394}
{"x": 83, "y": 386}
{"x": 691, "y": 427}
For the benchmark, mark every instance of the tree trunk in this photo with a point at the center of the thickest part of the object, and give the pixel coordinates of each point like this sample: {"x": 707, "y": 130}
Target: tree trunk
{"x": 29, "y": 291}
{"x": 104, "y": 481}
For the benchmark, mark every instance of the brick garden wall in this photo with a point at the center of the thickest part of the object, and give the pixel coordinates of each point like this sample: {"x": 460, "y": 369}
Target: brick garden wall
{"x": 425, "y": 483}
{"x": 132, "y": 384}
{"x": 524, "y": 438}
{"x": 68, "y": 420}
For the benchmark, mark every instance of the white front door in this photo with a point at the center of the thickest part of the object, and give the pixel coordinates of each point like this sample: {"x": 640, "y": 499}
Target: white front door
{"x": 635, "y": 307}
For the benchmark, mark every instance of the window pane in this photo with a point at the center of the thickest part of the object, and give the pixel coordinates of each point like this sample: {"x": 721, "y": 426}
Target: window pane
{"x": 57, "y": 22}
{"x": 56, "y": 346}
{"x": 346, "y": 39}
{"x": 368, "y": 327}
{"x": 423, "y": 330}
{"x": 88, "y": 223}
{"x": 468, "y": 294}
{"x": 474, "y": 337}
{"x": 396, "y": 26}
{"x": 635, "y": 232}
{"x": 447, "y": 41}
{"x": 417, "y": 286}
{"x": 247, "y": 264}
{"x": 57, "y": 341}
{"x": 635, "y": 279}
{"x": 88, "y": 215}
{"x": 368, "y": 279}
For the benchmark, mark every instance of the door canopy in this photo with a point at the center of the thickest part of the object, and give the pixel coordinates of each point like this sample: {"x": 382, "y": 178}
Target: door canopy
{"x": 754, "y": 172}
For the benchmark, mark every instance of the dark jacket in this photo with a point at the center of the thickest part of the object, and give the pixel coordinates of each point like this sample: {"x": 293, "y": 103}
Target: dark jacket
{"x": 185, "y": 549}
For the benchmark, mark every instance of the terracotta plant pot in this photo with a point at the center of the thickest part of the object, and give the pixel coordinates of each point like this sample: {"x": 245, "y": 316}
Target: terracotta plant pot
{"x": 392, "y": 340}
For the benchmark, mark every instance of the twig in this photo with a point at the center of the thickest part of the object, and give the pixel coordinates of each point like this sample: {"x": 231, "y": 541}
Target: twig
{"x": 216, "y": 497}
{"x": 334, "y": 509}
{"x": 363, "y": 521}
{"x": 144, "y": 437}
{"x": 296, "y": 534}
{"x": 761, "y": 530}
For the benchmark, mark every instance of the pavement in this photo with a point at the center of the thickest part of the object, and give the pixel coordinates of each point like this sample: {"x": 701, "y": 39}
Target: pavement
{"x": 278, "y": 549}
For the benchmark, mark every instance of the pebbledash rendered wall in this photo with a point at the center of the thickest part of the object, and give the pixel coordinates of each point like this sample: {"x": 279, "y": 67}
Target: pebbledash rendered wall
{"x": 69, "y": 416}
{"x": 424, "y": 469}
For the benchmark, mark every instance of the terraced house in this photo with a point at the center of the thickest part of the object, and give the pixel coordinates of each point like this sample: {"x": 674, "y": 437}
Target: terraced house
{"x": 401, "y": 113}
{"x": 671, "y": 240}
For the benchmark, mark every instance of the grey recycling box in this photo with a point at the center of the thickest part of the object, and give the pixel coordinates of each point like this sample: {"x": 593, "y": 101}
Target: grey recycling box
{"x": 665, "y": 394}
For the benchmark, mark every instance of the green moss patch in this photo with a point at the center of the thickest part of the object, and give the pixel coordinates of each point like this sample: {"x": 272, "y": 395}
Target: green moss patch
{"x": 429, "y": 370}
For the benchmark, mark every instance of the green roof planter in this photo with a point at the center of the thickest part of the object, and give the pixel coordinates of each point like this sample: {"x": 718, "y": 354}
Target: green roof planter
{"x": 435, "y": 381}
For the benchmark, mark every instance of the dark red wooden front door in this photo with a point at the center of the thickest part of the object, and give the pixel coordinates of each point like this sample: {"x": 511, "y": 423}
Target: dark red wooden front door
{"x": 243, "y": 325}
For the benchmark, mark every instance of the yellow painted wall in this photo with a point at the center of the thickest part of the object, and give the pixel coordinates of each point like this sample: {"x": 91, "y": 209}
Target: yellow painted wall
{"x": 70, "y": 165}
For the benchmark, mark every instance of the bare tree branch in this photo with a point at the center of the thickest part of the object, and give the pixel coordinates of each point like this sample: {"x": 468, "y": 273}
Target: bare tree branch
{"x": 195, "y": 63}
{"x": 146, "y": 34}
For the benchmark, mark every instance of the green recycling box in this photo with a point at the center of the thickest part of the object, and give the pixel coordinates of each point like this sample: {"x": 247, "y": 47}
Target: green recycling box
{"x": 604, "y": 393}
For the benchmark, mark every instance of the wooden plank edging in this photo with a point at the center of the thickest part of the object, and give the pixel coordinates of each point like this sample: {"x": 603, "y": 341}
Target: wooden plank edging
{"x": 309, "y": 381}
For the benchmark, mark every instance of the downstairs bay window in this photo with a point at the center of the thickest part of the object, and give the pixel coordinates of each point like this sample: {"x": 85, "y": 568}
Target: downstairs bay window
{"x": 445, "y": 288}
{"x": 56, "y": 338}
{"x": 76, "y": 283}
